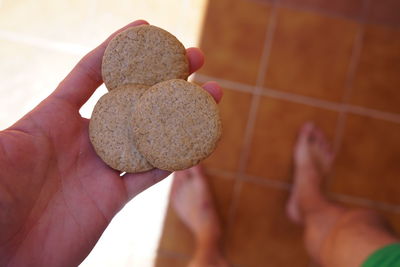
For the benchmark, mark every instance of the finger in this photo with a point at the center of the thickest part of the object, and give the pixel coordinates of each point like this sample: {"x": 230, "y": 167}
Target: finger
{"x": 86, "y": 77}
{"x": 214, "y": 89}
{"x": 196, "y": 59}
{"x": 136, "y": 183}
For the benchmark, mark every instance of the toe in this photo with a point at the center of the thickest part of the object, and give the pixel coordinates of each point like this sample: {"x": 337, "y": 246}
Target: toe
{"x": 317, "y": 134}
{"x": 307, "y": 128}
{"x": 322, "y": 142}
{"x": 305, "y": 133}
{"x": 178, "y": 180}
{"x": 174, "y": 188}
{"x": 197, "y": 171}
{"x": 179, "y": 175}
{"x": 303, "y": 141}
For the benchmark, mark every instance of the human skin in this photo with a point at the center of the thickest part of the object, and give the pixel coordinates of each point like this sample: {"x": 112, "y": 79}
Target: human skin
{"x": 56, "y": 195}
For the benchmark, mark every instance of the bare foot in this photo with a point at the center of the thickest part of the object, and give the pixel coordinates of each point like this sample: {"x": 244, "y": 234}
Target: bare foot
{"x": 193, "y": 204}
{"x": 313, "y": 159}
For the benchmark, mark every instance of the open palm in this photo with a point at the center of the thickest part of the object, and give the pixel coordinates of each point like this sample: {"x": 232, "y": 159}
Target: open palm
{"x": 56, "y": 195}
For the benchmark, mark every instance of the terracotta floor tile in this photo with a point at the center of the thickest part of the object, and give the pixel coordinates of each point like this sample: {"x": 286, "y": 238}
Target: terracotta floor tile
{"x": 310, "y": 54}
{"x": 276, "y": 129}
{"x": 233, "y": 38}
{"x": 222, "y": 190}
{"x": 377, "y": 80}
{"x": 261, "y": 234}
{"x": 234, "y": 110}
{"x": 368, "y": 161}
{"x": 176, "y": 237}
{"x": 170, "y": 261}
{"x": 352, "y": 8}
{"x": 385, "y": 11}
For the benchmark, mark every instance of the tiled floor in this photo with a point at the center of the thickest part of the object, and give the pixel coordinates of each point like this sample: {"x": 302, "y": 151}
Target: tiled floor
{"x": 260, "y": 233}
{"x": 345, "y": 8}
{"x": 302, "y": 57}
{"x": 271, "y": 145}
{"x": 282, "y": 63}
{"x": 233, "y": 37}
{"x": 223, "y": 190}
{"x": 372, "y": 146}
{"x": 233, "y": 133}
{"x": 171, "y": 259}
{"x": 377, "y": 75}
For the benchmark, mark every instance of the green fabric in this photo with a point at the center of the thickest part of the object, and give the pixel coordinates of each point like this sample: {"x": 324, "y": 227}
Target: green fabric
{"x": 384, "y": 257}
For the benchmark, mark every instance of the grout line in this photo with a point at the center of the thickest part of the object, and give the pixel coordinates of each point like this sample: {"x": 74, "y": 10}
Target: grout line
{"x": 354, "y": 61}
{"x": 267, "y": 182}
{"x": 237, "y": 189}
{"x": 332, "y": 106}
{"x": 70, "y": 48}
{"x": 310, "y": 101}
{"x": 339, "y": 133}
{"x": 221, "y": 173}
{"x": 332, "y": 14}
{"x": 252, "y": 116}
{"x": 366, "y": 202}
{"x": 320, "y": 11}
{"x": 248, "y": 134}
{"x": 351, "y": 74}
{"x": 241, "y": 87}
{"x": 355, "y": 54}
{"x": 305, "y": 100}
{"x": 377, "y": 114}
{"x": 267, "y": 46}
{"x": 256, "y": 96}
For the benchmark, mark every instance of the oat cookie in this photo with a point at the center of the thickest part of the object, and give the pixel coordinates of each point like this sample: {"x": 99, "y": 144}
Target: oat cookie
{"x": 176, "y": 125}
{"x": 110, "y": 129}
{"x": 143, "y": 55}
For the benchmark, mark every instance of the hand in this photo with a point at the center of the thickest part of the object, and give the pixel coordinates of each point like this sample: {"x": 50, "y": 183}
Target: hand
{"x": 56, "y": 195}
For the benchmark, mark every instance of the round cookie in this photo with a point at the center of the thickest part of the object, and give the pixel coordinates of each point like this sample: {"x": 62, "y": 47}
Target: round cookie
{"x": 110, "y": 129}
{"x": 176, "y": 125}
{"x": 143, "y": 55}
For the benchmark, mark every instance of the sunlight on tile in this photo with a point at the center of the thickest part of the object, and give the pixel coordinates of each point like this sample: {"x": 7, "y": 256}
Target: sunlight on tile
{"x": 89, "y": 22}
{"x": 41, "y": 41}
{"x": 39, "y": 47}
{"x": 28, "y": 74}
{"x": 132, "y": 237}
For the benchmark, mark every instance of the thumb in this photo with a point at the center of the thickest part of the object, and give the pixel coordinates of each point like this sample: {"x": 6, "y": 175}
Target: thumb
{"x": 136, "y": 183}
